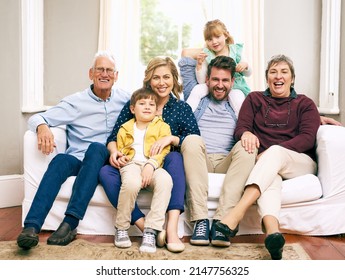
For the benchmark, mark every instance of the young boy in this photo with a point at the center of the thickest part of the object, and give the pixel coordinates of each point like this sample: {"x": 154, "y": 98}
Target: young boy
{"x": 141, "y": 168}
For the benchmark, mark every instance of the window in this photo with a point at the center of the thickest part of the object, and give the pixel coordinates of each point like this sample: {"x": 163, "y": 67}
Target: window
{"x": 32, "y": 56}
{"x": 120, "y": 31}
{"x": 135, "y": 31}
{"x": 330, "y": 57}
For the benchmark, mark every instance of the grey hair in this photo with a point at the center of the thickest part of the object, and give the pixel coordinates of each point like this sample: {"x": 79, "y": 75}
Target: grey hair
{"x": 106, "y": 54}
{"x": 281, "y": 58}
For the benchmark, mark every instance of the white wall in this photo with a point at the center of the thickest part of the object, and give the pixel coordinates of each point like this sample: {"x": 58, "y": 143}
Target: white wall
{"x": 70, "y": 40}
{"x": 293, "y": 28}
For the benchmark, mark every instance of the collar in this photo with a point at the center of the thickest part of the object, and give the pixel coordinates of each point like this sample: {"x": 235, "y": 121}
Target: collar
{"x": 293, "y": 93}
{"x": 172, "y": 100}
{"x": 95, "y": 97}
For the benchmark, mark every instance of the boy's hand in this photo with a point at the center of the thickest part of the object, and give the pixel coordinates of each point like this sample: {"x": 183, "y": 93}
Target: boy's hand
{"x": 146, "y": 175}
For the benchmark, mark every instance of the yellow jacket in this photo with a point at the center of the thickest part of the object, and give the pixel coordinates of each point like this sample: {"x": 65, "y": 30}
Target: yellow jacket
{"x": 156, "y": 130}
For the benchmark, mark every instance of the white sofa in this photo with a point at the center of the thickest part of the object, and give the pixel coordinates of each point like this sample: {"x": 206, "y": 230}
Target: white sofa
{"x": 311, "y": 205}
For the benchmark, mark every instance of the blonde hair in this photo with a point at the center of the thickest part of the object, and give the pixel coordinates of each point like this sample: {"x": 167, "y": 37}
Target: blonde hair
{"x": 163, "y": 61}
{"x": 217, "y": 28}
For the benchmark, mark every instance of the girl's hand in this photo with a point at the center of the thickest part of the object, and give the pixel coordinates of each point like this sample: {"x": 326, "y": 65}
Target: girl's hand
{"x": 241, "y": 66}
{"x": 200, "y": 59}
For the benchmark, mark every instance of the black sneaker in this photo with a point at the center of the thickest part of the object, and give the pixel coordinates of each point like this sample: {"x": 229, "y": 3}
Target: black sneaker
{"x": 201, "y": 234}
{"x": 218, "y": 239}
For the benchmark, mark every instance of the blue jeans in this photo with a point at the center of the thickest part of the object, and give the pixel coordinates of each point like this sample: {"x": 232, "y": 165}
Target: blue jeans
{"x": 187, "y": 70}
{"x": 110, "y": 179}
{"x": 60, "y": 168}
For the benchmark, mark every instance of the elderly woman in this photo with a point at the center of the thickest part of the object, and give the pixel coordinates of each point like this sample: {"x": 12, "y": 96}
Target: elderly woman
{"x": 282, "y": 125}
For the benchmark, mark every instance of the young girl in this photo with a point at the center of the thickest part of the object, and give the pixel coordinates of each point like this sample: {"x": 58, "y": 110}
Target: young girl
{"x": 218, "y": 42}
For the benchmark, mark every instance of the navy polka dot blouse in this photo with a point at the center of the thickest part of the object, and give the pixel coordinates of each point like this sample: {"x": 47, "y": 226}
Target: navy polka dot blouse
{"x": 177, "y": 113}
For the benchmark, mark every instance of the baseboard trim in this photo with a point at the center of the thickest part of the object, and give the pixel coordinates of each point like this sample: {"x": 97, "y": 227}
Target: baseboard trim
{"x": 11, "y": 190}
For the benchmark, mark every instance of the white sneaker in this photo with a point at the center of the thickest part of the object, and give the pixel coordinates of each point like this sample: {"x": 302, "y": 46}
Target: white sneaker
{"x": 121, "y": 239}
{"x": 148, "y": 245}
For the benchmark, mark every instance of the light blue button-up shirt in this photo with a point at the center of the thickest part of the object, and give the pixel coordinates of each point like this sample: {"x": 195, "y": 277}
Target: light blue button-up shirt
{"x": 87, "y": 117}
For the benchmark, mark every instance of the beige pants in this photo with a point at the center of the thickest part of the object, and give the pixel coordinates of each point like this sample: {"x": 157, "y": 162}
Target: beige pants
{"x": 275, "y": 165}
{"x": 237, "y": 166}
{"x": 161, "y": 185}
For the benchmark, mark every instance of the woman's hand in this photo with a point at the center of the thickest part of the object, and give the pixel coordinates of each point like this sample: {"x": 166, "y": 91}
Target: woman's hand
{"x": 159, "y": 145}
{"x": 250, "y": 142}
{"x": 118, "y": 159}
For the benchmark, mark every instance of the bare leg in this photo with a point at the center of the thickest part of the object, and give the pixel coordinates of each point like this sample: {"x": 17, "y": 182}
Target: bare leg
{"x": 172, "y": 226}
{"x": 140, "y": 223}
{"x": 271, "y": 224}
{"x": 233, "y": 218}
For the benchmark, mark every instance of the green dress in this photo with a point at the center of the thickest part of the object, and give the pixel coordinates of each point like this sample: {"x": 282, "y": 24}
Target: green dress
{"x": 235, "y": 51}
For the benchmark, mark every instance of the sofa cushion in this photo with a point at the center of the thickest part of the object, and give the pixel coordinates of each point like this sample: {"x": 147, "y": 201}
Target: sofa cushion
{"x": 300, "y": 189}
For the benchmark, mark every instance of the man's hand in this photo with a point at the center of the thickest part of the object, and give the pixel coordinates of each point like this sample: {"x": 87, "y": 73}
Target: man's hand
{"x": 45, "y": 139}
{"x": 326, "y": 120}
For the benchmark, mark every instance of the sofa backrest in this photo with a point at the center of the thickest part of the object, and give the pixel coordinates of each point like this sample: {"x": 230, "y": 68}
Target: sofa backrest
{"x": 330, "y": 151}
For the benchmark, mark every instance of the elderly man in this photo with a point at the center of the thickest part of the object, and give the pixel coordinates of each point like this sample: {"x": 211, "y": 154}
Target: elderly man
{"x": 89, "y": 116}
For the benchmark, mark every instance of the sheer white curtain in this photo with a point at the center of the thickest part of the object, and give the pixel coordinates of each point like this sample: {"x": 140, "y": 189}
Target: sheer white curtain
{"x": 253, "y": 22}
{"x": 120, "y": 32}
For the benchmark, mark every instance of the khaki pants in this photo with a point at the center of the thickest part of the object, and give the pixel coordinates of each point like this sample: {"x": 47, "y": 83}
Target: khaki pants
{"x": 237, "y": 166}
{"x": 161, "y": 186}
{"x": 276, "y": 164}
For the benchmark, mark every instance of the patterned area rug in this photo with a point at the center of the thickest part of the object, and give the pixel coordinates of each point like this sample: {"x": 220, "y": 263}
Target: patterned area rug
{"x": 81, "y": 249}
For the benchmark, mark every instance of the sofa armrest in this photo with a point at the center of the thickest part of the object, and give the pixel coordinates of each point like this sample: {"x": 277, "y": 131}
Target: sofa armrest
{"x": 36, "y": 163}
{"x": 331, "y": 159}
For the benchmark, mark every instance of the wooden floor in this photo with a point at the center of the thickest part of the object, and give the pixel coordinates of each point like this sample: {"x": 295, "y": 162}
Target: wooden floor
{"x": 318, "y": 248}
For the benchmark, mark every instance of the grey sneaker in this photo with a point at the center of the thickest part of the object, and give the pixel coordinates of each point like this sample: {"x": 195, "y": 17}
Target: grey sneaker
{"x": 148, "y": 245}
{"x": 121, "y": 239}
{"x": 201, "y": 234}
